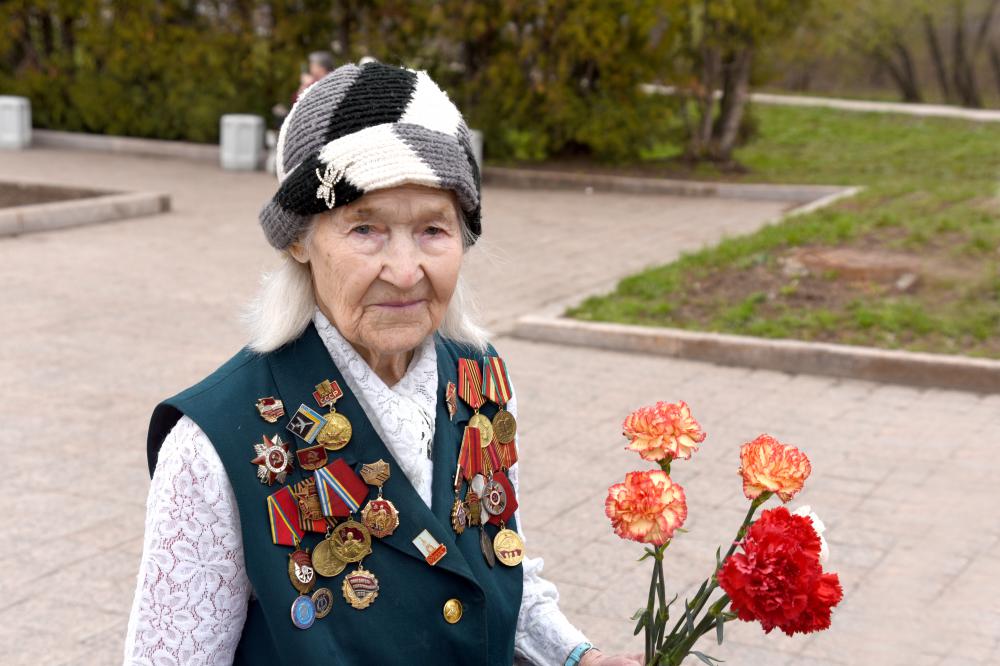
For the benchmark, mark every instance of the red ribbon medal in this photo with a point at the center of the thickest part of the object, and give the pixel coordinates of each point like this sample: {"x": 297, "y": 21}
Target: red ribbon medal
{"x": 341, "y": 491}
{"x": 470, "y": 383}
{"x": 283, "y": 512}
{"x": 511, "y": 506}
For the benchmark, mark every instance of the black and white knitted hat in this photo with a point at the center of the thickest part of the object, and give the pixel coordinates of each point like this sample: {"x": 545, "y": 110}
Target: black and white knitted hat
{"x": 366, "y": 128}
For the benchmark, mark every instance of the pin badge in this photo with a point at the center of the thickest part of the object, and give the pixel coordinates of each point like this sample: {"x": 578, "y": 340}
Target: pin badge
{"x": 360, "y": 588}
{"x": 303, "y": 612}
{"x": 429, "y": 547}
{"x": 300, "y": 571}
{"x": 271, "y": 409}
{"x": 449, "y": 397}
{"x": 305, "y": 424}
{"x": 311, "y": 457}
{"x": 322, "y": 599}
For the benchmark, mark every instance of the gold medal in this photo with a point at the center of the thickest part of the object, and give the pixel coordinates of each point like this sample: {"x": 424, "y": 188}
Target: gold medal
{"x": 300, "y": 571}
{"x": 474, "y": 507}
{"x": 380, "y": 517}
{"x": 351, "y": 541}
{"x": 482, "y": 423}
{"x": 509, "y": 547}
{"x": 459, "y": 516}
{"x": 336, "y": 431}
{"x": 360, "y": 588}
{"x": 325, "y": 562}
{"x": 323, "y": 601}
{"x": 504, "y": 426}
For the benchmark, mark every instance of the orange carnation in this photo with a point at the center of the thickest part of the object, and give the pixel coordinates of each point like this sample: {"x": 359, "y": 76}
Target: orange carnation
{"x": 665, "y": 430}
{"x": 647, "y": 508}
{"x": 768, "y": 465}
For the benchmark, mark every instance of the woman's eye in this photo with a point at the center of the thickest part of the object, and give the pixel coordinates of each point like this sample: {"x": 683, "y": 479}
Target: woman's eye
{"x": 363, "y": 229}
{"x": 433, "y": 231}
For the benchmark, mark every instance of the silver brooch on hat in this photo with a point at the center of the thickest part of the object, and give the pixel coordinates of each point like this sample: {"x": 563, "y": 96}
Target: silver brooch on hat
{"x": 327, "y": 180}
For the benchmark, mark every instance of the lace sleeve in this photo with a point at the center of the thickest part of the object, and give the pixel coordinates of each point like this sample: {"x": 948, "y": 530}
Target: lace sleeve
{"x": 543, "y": 636}
{"x": 192, "y": 590}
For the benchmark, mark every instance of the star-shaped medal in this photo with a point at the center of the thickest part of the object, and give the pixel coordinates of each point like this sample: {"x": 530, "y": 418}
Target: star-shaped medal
{"x": 274, "y": 460}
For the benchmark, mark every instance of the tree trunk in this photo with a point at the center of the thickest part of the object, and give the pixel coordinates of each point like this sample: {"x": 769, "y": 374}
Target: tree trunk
{"x": 937, "y": 56}
{"x": 909, "y": 72}
{"x": 963, "y": 75}
{"x": 995, "y": 62}
{"x": 705, "y": 95}
{"x": 907, "y": 86}
{"x": 734, "y": 101}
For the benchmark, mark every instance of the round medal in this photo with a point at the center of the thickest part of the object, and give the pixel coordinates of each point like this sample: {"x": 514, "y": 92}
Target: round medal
{"x": 300, "y": 571}
{"x": 478, "y": 483}
{"x": 509, "y": 547}
{"x": 323, "y": 601}
{"x": 486, "y": 546}
{"x": 325, "y": 562}
{"x": 336, "y": 432}
{"x": 360, "y": 588}
{"x": 494, "y": 498}
{"x": 303, "y": 612}
{"x": 459, "y": 516}
{"x": 380, "y": 517}
{"x": 351, "y": 541}
{"x": 485, "y": 427}
{"x": 504, "y": 426}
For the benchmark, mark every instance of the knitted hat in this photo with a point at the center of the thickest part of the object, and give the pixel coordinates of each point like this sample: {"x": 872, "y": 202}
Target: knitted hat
{"x": 360, "y": 129}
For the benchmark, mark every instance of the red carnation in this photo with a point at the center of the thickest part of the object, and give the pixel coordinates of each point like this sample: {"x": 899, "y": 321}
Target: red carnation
{"x": 778, "y": 579}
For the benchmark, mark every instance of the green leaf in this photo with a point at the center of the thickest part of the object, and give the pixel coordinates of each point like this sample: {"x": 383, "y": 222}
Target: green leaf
{"x": 705, "y": 658}
{"x": 718, "y": 555}
{"x": 641, "y": 623}
{"x": 636, "y": 615}
{"x": 719, "y": 624}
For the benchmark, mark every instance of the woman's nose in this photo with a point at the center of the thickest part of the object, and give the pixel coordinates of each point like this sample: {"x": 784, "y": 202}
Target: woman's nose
{"x": 402, "y": 266}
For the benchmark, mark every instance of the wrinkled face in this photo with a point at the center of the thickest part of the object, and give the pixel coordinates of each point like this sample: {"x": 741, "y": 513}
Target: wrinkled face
{"x": 385, "y": 266}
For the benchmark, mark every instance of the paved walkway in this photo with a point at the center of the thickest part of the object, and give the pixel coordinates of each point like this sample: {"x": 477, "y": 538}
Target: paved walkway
{"x": 104, "y": 321}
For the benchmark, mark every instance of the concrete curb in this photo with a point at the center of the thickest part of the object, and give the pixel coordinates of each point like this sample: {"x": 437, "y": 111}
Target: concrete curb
{"x": 126, "y": 145}
{"x": 793, "y": 356}
{"x": 540, "y": 179}
{"x": 62, "y": 214}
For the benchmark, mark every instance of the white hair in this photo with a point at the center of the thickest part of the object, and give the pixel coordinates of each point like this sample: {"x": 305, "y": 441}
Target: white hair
{"x": 285, "y": 303}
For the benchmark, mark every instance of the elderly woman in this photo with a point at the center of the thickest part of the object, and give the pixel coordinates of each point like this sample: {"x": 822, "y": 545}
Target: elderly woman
{"x": 344, "y": 489}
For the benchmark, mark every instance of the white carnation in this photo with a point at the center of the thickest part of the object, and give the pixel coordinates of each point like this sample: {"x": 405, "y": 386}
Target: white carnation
{"x": 824, "y": 549}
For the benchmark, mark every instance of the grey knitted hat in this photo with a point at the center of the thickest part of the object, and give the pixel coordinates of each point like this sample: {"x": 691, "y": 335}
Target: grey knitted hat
{"x": 366, "y": 128}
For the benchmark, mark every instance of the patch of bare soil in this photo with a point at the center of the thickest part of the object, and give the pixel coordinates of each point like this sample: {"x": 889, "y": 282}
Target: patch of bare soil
{"x": 22, "y": 194}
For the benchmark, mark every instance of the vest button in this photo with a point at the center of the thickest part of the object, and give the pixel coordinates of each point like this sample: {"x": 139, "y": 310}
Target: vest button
{"x": 452, "y": 611}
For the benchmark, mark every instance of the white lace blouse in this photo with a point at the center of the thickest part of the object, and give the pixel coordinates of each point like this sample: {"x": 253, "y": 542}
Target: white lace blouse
{"x": 192, "y": 589}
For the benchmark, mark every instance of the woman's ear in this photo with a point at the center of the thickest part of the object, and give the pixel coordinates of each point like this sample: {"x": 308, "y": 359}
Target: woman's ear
{"x": 298, "y": 252}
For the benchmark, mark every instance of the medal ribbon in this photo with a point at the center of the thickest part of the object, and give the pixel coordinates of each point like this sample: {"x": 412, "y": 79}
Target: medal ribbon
{"x": 470, "y": 383}
{"x": 340, "y": 480}
{"x": 470, "y": 458}
{"x": 508, "y": 454}
{"x": 497, "y": 384}
{"x": 491, "y": 460}
{"x": 285, "y": 530}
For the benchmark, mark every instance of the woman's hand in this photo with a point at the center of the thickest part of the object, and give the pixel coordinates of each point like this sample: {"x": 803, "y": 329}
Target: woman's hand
{"x": 598, "y": 658}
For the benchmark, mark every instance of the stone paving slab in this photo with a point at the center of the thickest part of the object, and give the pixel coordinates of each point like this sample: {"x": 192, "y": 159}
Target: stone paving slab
{"x": 104, "y": 321}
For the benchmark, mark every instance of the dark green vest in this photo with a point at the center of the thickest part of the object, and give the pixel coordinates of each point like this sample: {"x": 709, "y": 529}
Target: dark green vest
{"x": 405, "y": 624}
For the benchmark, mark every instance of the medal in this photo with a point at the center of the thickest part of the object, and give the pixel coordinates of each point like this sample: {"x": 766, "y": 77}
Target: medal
{"x": 336, "y": 431}
{"x": 486, "y": 546}
{"x": 510, "y": 498}
{"x": 470, "y": 384}
{"x": 429, "y": 547}
{"x": 322, "y": 599}
{"x": 360, "y": 588}
{"x": 350, "y": 541}
{"x": 303, "y": 612}
{"x": 273, "y": 460}
{"x": 509, "y": 547}
{"x": 473, "y": 507}
{"x": 324, "y": 561}
{"x": 271, "y": 409}
{"x": 310, "y": 515}
{"x": 312, "y": 457}
{"x": 300, "y": 570}
{"x": 449, "y": 398}
{"x": 283, "y": 513}
{"x": 380, "y": 516}
{"x": 376, "y": 473}
{"x": 305, "y": 424}
{"x": 496, "y": 387}
{"x": 459, "y": 516}
{"x": 494, "y": 497}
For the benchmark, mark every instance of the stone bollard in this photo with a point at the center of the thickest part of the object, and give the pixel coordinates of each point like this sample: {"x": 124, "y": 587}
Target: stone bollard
{"x": 477, "y": 147}
{"x": 241, "y": 142}
{"x": 15, "y": 122}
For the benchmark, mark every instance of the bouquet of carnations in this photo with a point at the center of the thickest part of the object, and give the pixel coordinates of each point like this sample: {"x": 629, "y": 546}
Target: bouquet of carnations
{"x": 776, "y": 579}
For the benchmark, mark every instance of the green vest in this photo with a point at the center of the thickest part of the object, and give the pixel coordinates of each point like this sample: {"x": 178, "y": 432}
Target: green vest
{"x": 405, "y": 624}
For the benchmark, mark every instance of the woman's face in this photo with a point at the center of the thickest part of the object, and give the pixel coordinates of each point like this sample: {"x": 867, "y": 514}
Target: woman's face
{"x": 384, "y": 267}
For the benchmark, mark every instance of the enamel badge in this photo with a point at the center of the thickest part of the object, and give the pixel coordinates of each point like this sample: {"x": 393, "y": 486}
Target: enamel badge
{"x": 273, "y": 460}
{"x": 271, "y": 409}
{"x": 431, "y": 549}
{"x": 305, "y": 424}
{"x": 449, "y": 397}
{"x": 300, "y": 571}
{"x": 360, "y": 588}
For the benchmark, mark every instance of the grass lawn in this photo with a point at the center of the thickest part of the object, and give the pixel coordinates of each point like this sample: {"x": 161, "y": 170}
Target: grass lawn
{"x": 932, "y": 201}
